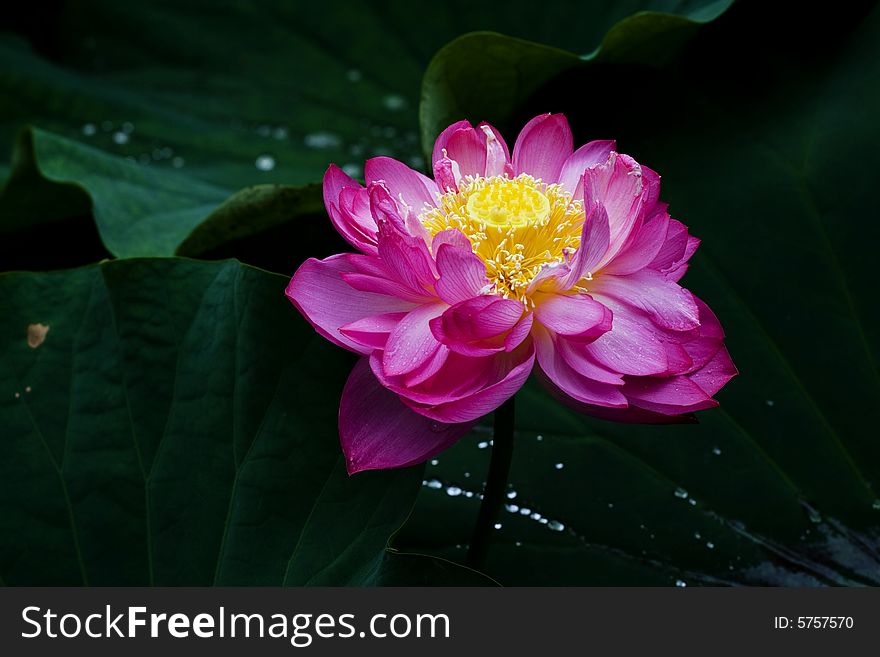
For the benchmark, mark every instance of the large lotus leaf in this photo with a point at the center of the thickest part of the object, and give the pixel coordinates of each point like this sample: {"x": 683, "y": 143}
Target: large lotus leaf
{"x": 769, "y": 154}
{"x": 173, "y": 422}
{"x": 154, "y": 113}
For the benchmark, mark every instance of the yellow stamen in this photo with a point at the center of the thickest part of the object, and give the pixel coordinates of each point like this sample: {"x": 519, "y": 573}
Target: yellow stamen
{"x": 516, "y": 226}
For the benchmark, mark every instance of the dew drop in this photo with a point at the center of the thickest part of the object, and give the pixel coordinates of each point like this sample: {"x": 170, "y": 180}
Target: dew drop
{"x": 435, "y": 484}
{"x": 27, "y": 388}
{"x": 692, "y": 502}
{"x": 120, "y": 137}
{"x": 453, "y": 491}
{"x": 716, "y": 451}
{"x": 483, "y": 444}
{"x": 535, "y": 516}
{"x": 265, "y": 162}
{"x": 17, "y": 395}
{"x": 697, "y": 536}
{"x": 468, "y": 493}
{"x": 323, "y": 140}
{"x": 511, "y": 508}
{"x": 539, "y": 438}
{"x": 497, "y": 525}
{"x": 771, "y": 403}
{"x": 814, "y": 516}
{"x": 467, "y": 474}
{"x": 559, "y": 466}
{"x": 611, "y": 505}
{"x": 680, "y": 583}
{"x": 525, "y": 511}
{"x": 435, "y": 462}
{"x": 511, "y": 495}
{"x": 394, "y": 102}
{"x": 518, "y": 544}
{"x": 710, "y": 545}
{"x": 681, "y": 493}
{"x": 555, "y": 526}
{"x": 89, "y": 129}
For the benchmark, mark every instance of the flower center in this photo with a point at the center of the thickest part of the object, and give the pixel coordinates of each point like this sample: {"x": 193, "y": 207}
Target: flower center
{"x": 506, "y": 203}
{"x": 517, "y": 226}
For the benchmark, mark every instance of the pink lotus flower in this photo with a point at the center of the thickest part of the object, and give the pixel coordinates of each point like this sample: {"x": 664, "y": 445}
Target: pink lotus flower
{"x": 464, "y": 281}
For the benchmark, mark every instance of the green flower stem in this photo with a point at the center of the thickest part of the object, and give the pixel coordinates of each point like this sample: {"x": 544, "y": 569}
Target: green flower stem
{"x": 496, "y": 483}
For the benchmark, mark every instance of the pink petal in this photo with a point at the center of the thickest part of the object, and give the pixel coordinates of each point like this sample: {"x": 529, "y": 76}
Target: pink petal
{"x": 670, "y": 305}
{"x": 709, "y": 340}
{"x": 451, "y": 236}
{"x": 677, "y": 358}
{"x": 468, "y": 149}
{"x": 458, "y": 377}
{"x": 462, "y": 273}
{"x": 404, "y": 184}
{"x": 590, "y": 154}
{"x": 386, "y": 286}
{"x": 715, "y": 374}
{"x": 411, "y": 342}
{"x": 542, "y": 147}
{"x": 631, "y": 346}
{"x": 617, "y": 185}
{"x": 447, "y": 173}
{"x": 676, "y": 272}
{"x": 406, "y": 258}
{"x": 372, "y": 331}
{"x": 319, "y": 292}
{"x": 519, "y": 332}
{"x": 378, "y": 431}
{"x": 442, "y": 141}
{"x": 477, "y": 326}
{"x": 641, "y": 248}
{"x": 428, "y": 368}
{"x": 518, "y": 366}
{"x": 576, "y": 316}
{"x": 577, "y": 357}
{"x": 348, "y": 205}
{"x": 670, "y": 396}
{"x": 676, "y": 250}
{"x": 629, "y": 415}
{"x": 572, "y": 383}
{"x": 475, "y": 152}
{"x": 595, "y": 239}
{"x": 497, "y": 155}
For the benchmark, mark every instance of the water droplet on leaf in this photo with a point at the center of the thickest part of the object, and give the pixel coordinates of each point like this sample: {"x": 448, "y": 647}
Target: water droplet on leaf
{"x": 265, "y": 163}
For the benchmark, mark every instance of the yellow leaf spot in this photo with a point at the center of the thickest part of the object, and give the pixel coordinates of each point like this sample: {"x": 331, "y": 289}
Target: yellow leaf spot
{"x": 36, "y": 335}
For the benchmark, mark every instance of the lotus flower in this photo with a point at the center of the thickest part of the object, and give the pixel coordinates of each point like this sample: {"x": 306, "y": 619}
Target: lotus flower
{"x": 552, "y": 256}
